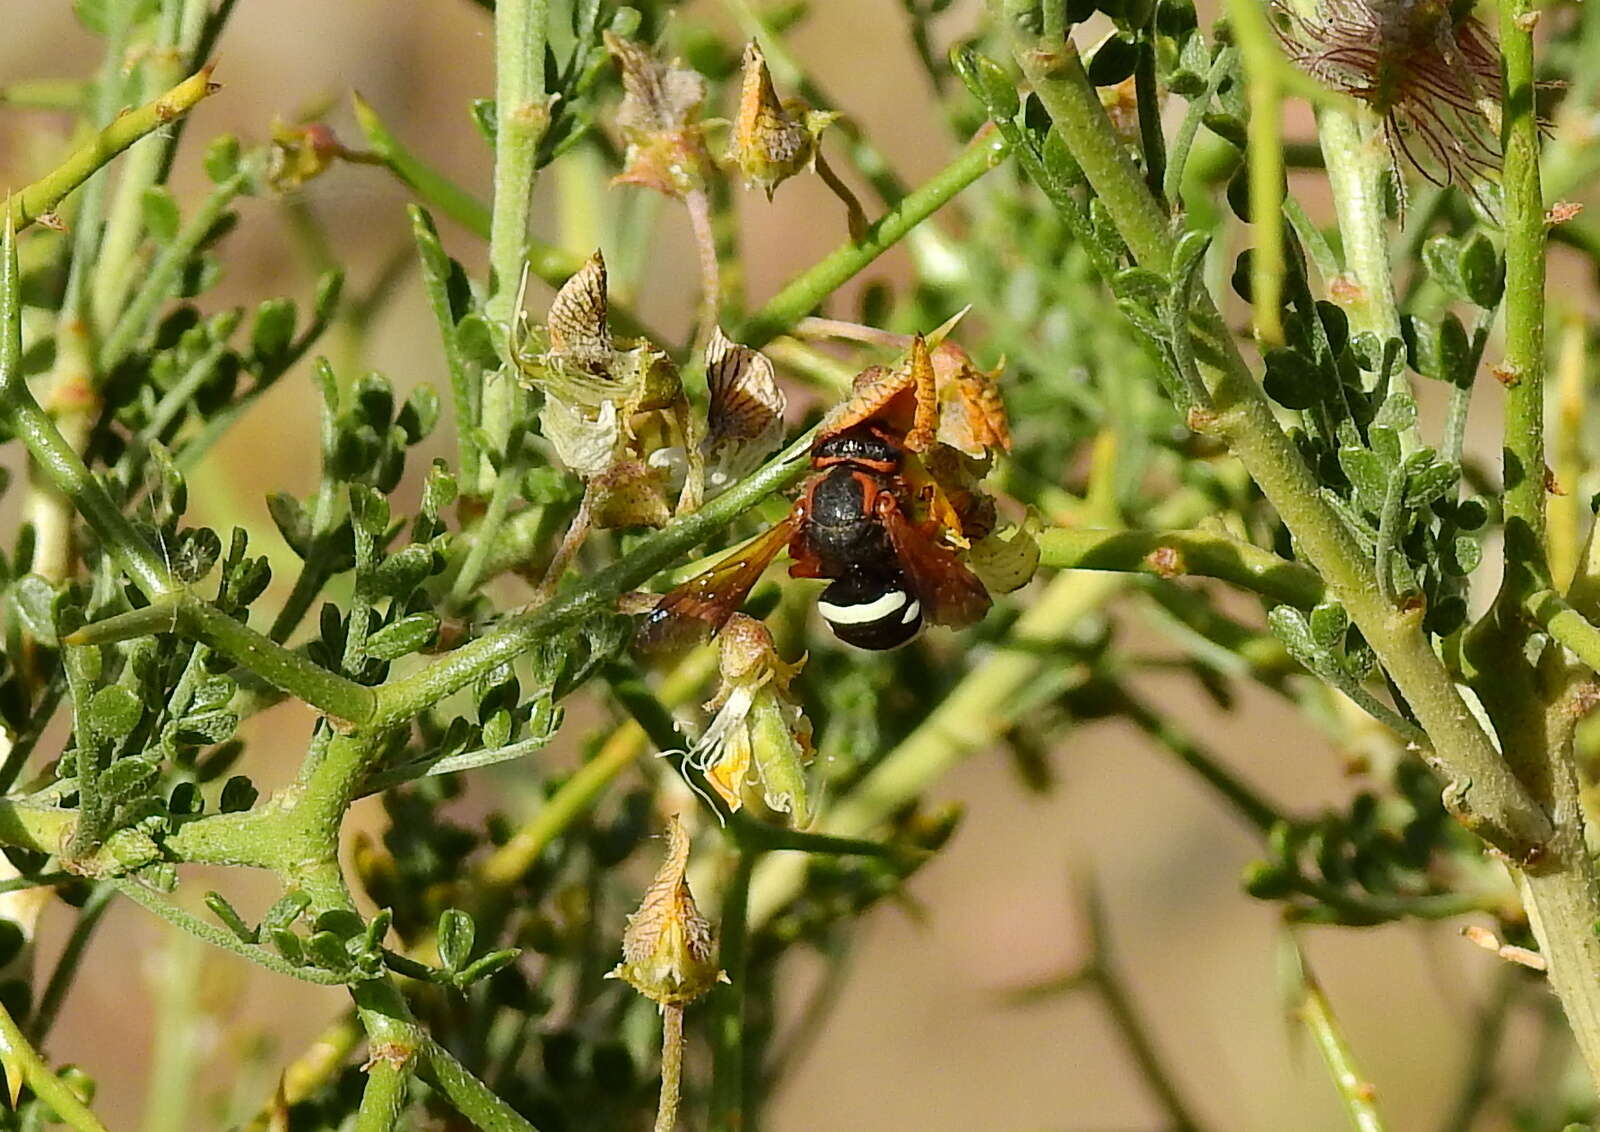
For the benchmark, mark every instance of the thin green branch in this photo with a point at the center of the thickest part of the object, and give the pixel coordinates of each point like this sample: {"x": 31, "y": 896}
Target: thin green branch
{"x": 1263, "y": 69}
{"x": 807, "y": 290}
{"x": 1524, "y": 363}
{"x": 42, "y": 197}
{"x": 19, "y": 1057}
{"x": 727, "y": 1002}
{"x": 166, "y": 272}
{"x": 56, "y": 459}
{"x": 221, "y": 937}
{"x": 432, "y": 186}
{"x": 521, "y": 117}
{"x": 1169, "y": 554}
{"x": 1354, "y": 1089}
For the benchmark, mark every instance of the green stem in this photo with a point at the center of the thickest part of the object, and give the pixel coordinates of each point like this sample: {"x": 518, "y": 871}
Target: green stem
{"x": 470, "y": 1096}
{"x": 433, "y": 187}
{"x": 671, "y": 1068}
{"x": 221, "y": 937}
{"x": 1262, "y": 68}
{"x": 1500, "y": 809}
{"x": 177, "y": 1045}
{"x": 727, "y": 1003}
{"x": 522, "y": 115}
{"x": 1524, "y": 303}
{"x": 1555, "y": 616}
{"x": 1168, "y": 554}
{"x": 1355, "y": 1090}
{"x": 45, "y": 194}
{"x": 167, "y": 272}
{"x": 114, "y": 265}
{"x": 1249, "y": 805}
{"x": 54, "y": 457}
{"x": 16, "y": 1054}
{"x": 283, "y": 668}
{"x": 808, "y": 289}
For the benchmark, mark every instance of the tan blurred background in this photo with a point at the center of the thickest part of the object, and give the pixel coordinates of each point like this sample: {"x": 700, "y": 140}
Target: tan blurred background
{"x": 920, "y": 1040}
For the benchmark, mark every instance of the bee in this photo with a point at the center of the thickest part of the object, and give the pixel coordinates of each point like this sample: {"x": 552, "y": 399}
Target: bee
{"x": 855, "y": 525}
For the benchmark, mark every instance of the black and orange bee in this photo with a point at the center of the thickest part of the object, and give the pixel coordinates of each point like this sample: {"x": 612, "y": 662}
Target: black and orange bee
{"x": 873, "y": 519}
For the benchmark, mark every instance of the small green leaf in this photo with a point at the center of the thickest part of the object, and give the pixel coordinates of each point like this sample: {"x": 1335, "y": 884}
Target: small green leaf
{"x": 1141, "y": 285}
{"x": 160, "y": 213}
{"x": 374, "y": 399}
{"x": 1441, "y": 255}
{"x": 222, "y": 910}
{"x": 1455, "y": 352}
{"x": 1466, "y": 554}
{"x": 198, "y": 551}
{"x": 1292, "y": 379}
{"x": 476, "y": 342}
{"x": 1113, "y": 62}
{"x": 370, "y": 509}
{"x": 1366, "y": 474}
{"x": 273, "y": 330}
{"x": 289, "y": 945}
{"x": 114, "y": 712}
{"x": 1058, "y": 160}
{"x": 222, "y": 158}
{"x": 403, "y": 571}
{"x": 285, "y": 911}
{"x": 988, "y": 81}
{"x": 238, "y": 795}
{"x": 486, "y": 966}
{"x": 36, "y": 603}
{"x": 1482, "y": 272}
{"x": 486, "y": 118}
{"x": 420, "y": 413}
{"x": 1430, "y": 483}
{"x": 324, "y": 303}
{"x": 213, "y": 693}
{"x": 127, "y": 779}
{"x": 455, "y": 937}
{"x": 327, "y": 950}
{"x": 208, "y": 727}
{"x": 405, "y": 636}
{"x": 497, "y": 729}
{"x": 186, "y": 800}
{"x": 1227, "y": 127}
{"x": 1328, "y": 624}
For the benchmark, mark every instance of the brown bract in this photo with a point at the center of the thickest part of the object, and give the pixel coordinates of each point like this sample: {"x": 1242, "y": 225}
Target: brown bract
{"x": 660, "y": 121}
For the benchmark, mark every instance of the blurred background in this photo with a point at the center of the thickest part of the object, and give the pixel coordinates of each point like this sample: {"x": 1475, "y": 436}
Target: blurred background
{"x": 923, "y": 1036}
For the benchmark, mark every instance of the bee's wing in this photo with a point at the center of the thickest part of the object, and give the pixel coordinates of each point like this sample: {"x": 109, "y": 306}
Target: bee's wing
{"x": 702, "y": 605}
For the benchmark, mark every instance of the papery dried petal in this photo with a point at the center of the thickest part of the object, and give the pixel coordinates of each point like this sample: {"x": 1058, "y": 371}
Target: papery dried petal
{"x": 745, "y": 414}
{"x": 669, "y": 950}
{"x": 578, "y": 326}
{"x": 972, "y": 417}
{"x": 586, "y": 442}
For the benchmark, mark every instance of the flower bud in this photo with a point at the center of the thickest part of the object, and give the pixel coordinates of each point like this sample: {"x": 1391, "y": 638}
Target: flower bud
{"x": 669, "y": 950}
{"x": 773, "y": 140}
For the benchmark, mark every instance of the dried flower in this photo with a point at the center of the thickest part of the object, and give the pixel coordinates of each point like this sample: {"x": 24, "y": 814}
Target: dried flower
{"x": 660, "y": 121}
{"x": 1431, "y": 75}
{"x": 745, "y": 414}
{"x": 757, "y": 725}
{"x": 972, "y": 418}
{"x": 669, "y": 950}
{"x": 300, "y": 153}
{"x": 773, "y": 140}
{"x": 614, "y": 410}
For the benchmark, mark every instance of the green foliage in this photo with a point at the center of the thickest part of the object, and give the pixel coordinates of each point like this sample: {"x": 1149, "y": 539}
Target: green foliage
{"x": 450, "y": 612}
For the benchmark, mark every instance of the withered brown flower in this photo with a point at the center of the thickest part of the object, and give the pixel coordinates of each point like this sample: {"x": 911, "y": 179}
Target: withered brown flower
{"x": 1432, "y": 76}
{"x": 660, "y": 120}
